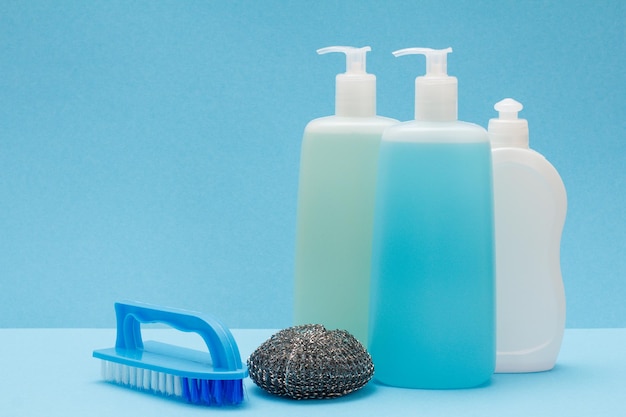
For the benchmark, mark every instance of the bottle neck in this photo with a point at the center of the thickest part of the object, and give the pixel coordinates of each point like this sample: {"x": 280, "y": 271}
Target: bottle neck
{"x": 508, "y": 133}
{"x": 436, "y": 99}
{"x": 355, "y": 96}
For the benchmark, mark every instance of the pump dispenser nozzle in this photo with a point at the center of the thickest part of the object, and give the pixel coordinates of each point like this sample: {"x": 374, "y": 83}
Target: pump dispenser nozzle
{"x": 507, "y": 130}
{"x": 436, "y": 92}
{"x": 355, "y": 94}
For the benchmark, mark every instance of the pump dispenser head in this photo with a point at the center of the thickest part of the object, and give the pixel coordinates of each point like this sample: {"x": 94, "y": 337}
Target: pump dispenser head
{"x": 507, "y": 130}
{"x": 436, "y": 92}
{"x": 355, "y": 91}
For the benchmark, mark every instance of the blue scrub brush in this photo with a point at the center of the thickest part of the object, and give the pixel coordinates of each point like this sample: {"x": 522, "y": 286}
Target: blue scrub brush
{"x": 211, "y": 378}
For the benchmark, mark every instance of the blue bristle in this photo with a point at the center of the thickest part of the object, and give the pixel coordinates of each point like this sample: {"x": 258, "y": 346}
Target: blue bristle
{"x": 212, "y": 392}
{"x": 216, "y": 392}
{"x": 205, "y": 392}
{"x": 234, "y": 391}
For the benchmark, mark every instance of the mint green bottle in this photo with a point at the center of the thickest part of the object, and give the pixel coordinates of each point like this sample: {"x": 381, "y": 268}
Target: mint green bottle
{"x": 336, "y": 204}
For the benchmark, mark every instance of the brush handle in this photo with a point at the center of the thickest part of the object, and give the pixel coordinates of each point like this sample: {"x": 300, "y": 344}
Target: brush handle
{"x": 219, "y": 340}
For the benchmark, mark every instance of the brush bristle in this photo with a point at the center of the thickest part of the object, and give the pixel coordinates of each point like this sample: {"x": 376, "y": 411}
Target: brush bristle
{"x": 192, "y": 390}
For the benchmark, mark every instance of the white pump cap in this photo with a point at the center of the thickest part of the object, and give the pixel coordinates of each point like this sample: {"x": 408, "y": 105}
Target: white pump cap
{"x": 436, "y": 92}
{"x": 355, "y": 91}
{"x": 507, "y": 130}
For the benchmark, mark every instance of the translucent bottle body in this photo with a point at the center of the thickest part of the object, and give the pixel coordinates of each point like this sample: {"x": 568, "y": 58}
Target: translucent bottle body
{"x": 334, "y": 222}
{"x": 432, "y": 322}
{"x": 530, "y": 208}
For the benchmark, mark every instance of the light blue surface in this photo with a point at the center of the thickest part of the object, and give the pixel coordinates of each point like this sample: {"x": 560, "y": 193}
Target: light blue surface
{"x": 149, "y": 150}
{"x": 46, "y": 375}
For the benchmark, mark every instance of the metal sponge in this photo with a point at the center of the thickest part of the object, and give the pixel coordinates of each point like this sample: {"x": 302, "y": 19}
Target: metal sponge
{"x": 306, "y": 362}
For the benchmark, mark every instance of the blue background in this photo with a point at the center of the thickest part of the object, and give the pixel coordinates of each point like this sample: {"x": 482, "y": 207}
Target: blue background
{"x": 150, "y": 150}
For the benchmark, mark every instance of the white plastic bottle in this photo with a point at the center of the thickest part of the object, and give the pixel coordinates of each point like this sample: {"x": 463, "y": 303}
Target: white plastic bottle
{"x": 530, "y": 207}
{"x": 336, "y": 204}
{"x": 432, "y": 322}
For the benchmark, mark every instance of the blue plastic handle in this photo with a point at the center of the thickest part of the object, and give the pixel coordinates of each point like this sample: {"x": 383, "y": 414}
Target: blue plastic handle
{"x": 219, "y": 340}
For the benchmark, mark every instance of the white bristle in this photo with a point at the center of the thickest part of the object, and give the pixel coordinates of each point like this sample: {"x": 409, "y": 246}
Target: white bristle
{"x": 118, "y": 374}
{"x": 138, "y": 377}
{"x": 154, "y": 380}
{"x": 132, "y": 376}
{"x": 144, "y": 379}
{"x": 104, "y": 366}
{"x": 169, "y": 384}
{"x": 125, "y": 375}
{"x": 161, "y": 385}
{"x": 178, "y": 388}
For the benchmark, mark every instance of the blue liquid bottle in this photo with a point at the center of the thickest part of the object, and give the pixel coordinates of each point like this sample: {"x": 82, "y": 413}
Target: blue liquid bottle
{"x": 432, "y": 312}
